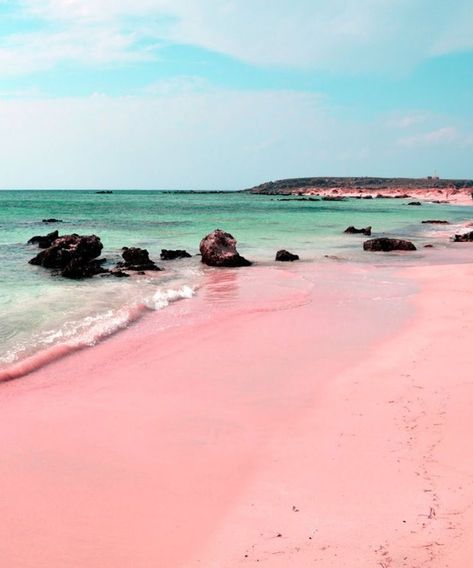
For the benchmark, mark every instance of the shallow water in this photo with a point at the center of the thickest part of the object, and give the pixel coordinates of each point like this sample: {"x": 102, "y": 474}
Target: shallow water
{"x": 40, "y": 310}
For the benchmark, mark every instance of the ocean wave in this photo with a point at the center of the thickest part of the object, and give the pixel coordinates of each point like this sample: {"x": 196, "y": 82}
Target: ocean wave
{"x": 78, "y": 334}
{"x": 161, "y": 299}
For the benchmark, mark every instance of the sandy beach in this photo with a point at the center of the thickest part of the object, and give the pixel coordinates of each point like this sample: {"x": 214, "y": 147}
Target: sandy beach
{"x": 323, "y": 427}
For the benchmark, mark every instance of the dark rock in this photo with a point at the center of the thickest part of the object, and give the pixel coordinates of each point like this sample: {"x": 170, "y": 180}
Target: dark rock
{"x": 334, "y": 257}
{"x": 136, "y": 259}
{"x": 415, "y": 203}
{"x": 67, "y": 248}
{"x": 386, "y": 244}
{"x": 77, "y": 269}
{"x": 286, "y": 256}
{"x": 428, "y": 246}
{"x": 74, "y": 255}
{"x": 332, "y": 198}
{"x": 367, "y": 197}
{"x": 436, "y": 222}
{"x": 107, "y": 192}
{"x": 353, "y": 230}
{"x": 173, "y": 254}
{"x": 465, "y": 238}
{"x": 44, "y": 242}
{"x": 118, "y": 273}
{"x": 219, "y": 249}
{"x": 299, "y": 199}
{"x": 52, "y": 220}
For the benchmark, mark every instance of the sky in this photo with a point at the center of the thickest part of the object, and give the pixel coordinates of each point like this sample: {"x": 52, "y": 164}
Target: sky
{"x": 227, "y": 94}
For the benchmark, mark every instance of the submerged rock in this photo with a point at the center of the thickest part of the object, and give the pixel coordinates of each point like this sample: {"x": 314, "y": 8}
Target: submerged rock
{"x": 52, "y": 220}
{"x": 415, "y": 203}
{"x": 436, "y": 222}
{"x": 136, "y": 259}
{"x": 173, "y": 254}
{"x": 219, "y": 249}
{"x": 77, "y": 269}
{"x": 465, "y": 238}
{"x": 385, "y": 244}
{"x": 74, "y": 255}
{"x": 44, "y": 242}
{"x": 118, "y": 273}
{"x": 353, "y": 230}
{"x": 286, "y": 256}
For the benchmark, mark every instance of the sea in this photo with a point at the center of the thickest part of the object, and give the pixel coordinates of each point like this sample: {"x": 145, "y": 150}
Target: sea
{"x": 40, "y": 310}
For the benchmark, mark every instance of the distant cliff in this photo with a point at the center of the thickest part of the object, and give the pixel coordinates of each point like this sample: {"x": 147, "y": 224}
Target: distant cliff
{"x": 352, "y": 184}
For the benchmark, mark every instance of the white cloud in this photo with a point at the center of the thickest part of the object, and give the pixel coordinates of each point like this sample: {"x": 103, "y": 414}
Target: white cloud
{"x": 406, "y": 121}
{"x": 204, "y": 139}
{"x": 340, "y": 35}
{"x": 445, "y": 135}
{"x": 25, "y": 53}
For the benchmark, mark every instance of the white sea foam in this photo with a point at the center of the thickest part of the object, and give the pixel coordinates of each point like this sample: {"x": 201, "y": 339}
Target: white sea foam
{"x": 162, "y": 298}
{"x": 87, "y": 331}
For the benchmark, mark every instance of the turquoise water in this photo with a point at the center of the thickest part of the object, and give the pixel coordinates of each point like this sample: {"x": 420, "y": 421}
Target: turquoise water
{"x": 39, "y": 309}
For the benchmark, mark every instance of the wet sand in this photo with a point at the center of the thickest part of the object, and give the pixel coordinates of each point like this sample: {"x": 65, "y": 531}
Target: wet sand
{"x": 326, "y": 425}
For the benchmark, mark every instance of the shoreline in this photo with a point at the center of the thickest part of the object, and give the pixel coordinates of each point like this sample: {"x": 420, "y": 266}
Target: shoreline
{"x": 320, "y": 414}
{"x": 432, "y": 195}
{"x": 159, "y": 434}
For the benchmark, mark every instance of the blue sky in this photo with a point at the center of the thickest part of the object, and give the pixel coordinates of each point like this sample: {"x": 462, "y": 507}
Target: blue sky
{"x": 219, "y": 94}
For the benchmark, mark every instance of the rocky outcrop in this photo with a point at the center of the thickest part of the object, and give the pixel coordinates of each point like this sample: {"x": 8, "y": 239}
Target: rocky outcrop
{"x": 173, "y": 254}
{"x": 77, "y": 269}
{"x": 73, "y": 255}
{"x": 436, "y": 222}
{"x": 353, "y": 231}
{"x": 44, "y": 242}
{"x": 373, "y": 184}
{"x": 385, "y": 244}
{"x": 332, "y": 198}
{"x": 52, "y": 220}
{"x": 286, "y": 256}
{"x": 219, "y": 249}
{"x": 465, "y": 238}
{"x": 136, "y": 259}
{"x": 417, "y": 203}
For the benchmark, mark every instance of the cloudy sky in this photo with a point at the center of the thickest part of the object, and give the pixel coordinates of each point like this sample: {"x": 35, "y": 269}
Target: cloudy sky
{"x": 225, "y": 94}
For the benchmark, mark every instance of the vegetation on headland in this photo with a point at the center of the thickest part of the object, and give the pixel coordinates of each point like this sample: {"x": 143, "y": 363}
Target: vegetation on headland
{"x": 294, "y": 185}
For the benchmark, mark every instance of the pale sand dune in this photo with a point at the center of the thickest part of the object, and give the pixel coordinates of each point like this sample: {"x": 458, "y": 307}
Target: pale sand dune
{"x": 338, "y": 423}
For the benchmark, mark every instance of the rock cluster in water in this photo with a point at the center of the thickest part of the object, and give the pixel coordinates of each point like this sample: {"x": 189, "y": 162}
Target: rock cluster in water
{"x": 173, "y": 254}
{"x": 44, "y": 241}
{"x": 136, "y": 259}
{"x": 385, "y": 244}
{"x": 73, "y": 255}
{"x": 219, "y": 249}
{"x": 465, "y": 238}
{"x": 353, "y": 230}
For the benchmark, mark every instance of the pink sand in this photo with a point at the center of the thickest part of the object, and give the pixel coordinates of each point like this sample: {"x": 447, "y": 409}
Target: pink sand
{"x": 454, "y": 196}
{"x": 332, "y": 432}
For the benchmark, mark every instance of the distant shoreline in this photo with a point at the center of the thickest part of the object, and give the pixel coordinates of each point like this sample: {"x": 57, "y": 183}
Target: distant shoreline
{"x": 360, "y": 184}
